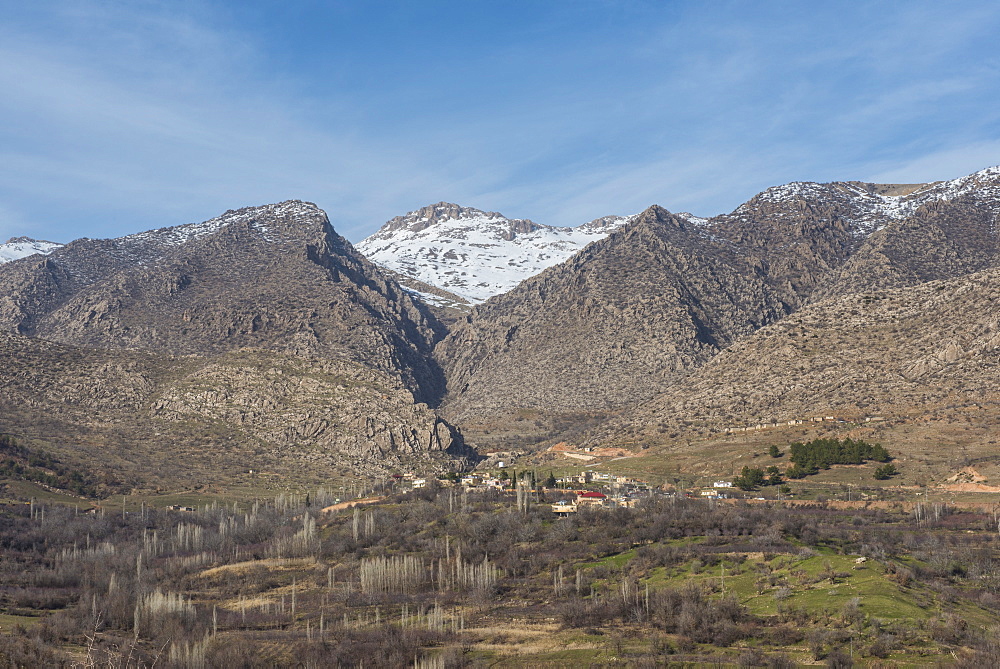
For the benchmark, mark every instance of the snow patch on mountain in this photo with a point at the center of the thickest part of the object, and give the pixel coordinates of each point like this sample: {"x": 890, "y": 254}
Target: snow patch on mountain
{"x": 873, "y": 206}
{"x": 476, "y": 254}
{"x": 179, "y": 234}
{"x": 692, "y": 219}
{"x": 22, "y": 247}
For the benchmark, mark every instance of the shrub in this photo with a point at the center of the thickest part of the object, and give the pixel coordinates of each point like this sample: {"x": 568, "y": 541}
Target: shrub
{"x": 885, "y": 472}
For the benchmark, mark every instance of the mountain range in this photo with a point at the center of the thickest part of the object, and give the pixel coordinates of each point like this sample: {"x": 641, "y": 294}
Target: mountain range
{"x": 263, "y": 336}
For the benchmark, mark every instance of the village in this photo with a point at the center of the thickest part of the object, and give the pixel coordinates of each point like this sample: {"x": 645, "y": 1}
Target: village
{"x": 565, "y": 494}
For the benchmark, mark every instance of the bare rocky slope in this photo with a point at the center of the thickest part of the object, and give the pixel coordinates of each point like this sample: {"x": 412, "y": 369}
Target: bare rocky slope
{"x": 262, "y": 332}
{"x": 920, "y": 361}
{"x": 276, "y": 280}
{"x": 634, "y": 314}
{"x": 155, "y": 419}
{"x": 610, "y": 326}
{"x": 276, "y": 276}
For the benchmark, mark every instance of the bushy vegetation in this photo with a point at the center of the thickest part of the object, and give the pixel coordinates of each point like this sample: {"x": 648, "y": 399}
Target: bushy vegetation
{"x": 446, "y": 578}
{"x": 752, "y": 478}
{"x": 810, "y": 457}
{"x": 886, "y": 471}
{"x": 21, "y": 463}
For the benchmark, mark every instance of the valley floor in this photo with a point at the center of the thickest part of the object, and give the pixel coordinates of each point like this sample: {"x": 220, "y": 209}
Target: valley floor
{"x": 436, "y": 577}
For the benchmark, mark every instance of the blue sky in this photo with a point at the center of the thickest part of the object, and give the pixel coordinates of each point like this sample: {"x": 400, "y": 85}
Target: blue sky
{"x": 121, "y": 116}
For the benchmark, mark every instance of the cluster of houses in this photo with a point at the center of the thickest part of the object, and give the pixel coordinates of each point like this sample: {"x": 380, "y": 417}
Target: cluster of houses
{"x": 588, "y": 477}
{"x": 606, "y": 491}
{"x": 591, "y": 498}
{"x": 620, "y": 491}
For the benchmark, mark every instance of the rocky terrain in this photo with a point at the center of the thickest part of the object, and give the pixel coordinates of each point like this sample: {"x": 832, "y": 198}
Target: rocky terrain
{"x": 155, "y": 420}
{"x": 276, "y": 276}
{"x": 632, "y": 315}
{"x": 613, "y": 325}
{"x": 275, "y": 285}
{"x": 262, "y": 335}
{"x": 927, "y": 354}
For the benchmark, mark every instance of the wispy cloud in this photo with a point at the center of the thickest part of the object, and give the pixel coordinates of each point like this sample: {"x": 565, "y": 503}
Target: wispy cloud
{"x": 123, "y": 116}
{"x": 953, "y": 162}
{"x": 169, "y": 148}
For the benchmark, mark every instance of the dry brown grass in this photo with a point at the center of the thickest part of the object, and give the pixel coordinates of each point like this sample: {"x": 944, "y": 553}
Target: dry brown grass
{"x": 271, "y": 564}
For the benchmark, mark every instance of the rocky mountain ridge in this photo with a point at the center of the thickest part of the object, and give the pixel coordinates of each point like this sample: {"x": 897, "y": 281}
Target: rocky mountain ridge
{"x": 263, "y": 329}
{"x": 474, "y": 254}
{"x": 276, "y": 276}
{"x": 275, "y": 279}
{"x": 610, "y": 326}
{"x": 636, "y": 313}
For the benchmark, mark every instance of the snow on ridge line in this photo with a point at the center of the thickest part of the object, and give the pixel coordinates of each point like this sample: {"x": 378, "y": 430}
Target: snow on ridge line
{"x": 22, "y": 247}
{"x": 475, "y": 254}
{"x": 872, "y": 211}
{"x": 178, "y": 234}
{"x": 691, "y": 218}
{"x": 895, "y": 206}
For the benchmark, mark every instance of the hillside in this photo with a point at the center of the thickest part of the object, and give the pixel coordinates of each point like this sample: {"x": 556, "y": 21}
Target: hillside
{"x": 256, "y": 340}
{"x": 915, "y": 367}
{"x": 611, "y": 326}
{"x": 164, "y": 421}
{"x": 634, "y": 314}
{"x": 276, "y": 276}
{"x": 636, "y": 337}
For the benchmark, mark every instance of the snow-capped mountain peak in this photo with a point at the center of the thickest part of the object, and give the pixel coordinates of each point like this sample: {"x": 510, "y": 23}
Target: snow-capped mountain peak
{"x": 22, "y": 247}
{"x": 476, "y": 254}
